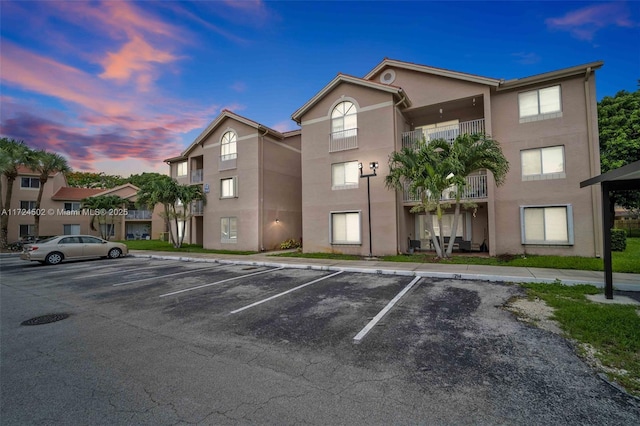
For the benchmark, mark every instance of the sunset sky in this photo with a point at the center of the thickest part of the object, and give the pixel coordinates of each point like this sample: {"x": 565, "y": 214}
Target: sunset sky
{"x": 120, "y": 86}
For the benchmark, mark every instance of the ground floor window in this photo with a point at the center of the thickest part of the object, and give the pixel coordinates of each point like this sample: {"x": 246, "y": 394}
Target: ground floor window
{"x": 26, "y": 230}
{"x": 345, "y": 228}
{"x": 228, "y": 229}
{"x": 547, "y": 224}
{"x": 422, "y": 230}
{"x": 71, "y": 229}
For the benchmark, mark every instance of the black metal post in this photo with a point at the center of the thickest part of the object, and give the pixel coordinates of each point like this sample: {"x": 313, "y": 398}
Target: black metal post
{"x": 606, "y": 233}
{"x": 373, "y": 167}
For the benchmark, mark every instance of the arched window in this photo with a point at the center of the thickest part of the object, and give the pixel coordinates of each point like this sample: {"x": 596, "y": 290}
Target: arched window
{"x": 228, "y": 150}
{"x": 344, "y": 120}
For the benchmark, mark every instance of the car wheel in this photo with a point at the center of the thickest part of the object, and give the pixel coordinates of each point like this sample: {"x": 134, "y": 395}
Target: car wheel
{"x": 54, "y": 258}
{"x": 114, "y": 253}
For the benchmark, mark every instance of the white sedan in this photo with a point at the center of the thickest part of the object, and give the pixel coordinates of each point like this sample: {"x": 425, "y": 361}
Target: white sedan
{"x": 70, "y": 247}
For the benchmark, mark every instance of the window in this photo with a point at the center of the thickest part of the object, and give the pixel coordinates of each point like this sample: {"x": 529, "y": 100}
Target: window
{"x": 107, "y": 229}
{"x": 543, "y": 163}
{"x": 72, "y": 206}
{"x": 345, "y": 228}
{"x": 30, "y": 182}
{"x": 90, "y": 240}
{"x": 228, "y": 230}
{"x": 344, "y": 175}
{"x": 27, "y": 205}
{"x": 344, "y": 120}
{"x": 26, "y": 230}
{"x": 181, "y": 169}
{"x": 70, "y": 240}
{"x": 547, "y": 225}
{"x": 540, "y": 104}
{"x": 228, "y": 188}
{"x": 228, "y": 149}
{"x": 70, "y": 229}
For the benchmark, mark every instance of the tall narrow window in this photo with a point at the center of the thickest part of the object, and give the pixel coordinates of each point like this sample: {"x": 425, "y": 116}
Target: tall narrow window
{"x": 181, "y": 168}
{"x": 344, "y": 127}
{"x": 228, "y": 188}
{"x": 228, "y": 230}
{"x": 228, "y": 149}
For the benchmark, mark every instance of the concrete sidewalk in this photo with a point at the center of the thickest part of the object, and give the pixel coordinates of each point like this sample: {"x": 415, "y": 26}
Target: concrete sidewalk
{"x": 625, "y": 282}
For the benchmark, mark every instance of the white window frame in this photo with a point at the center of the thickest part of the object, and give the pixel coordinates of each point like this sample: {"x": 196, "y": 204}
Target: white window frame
{"x": 182, "y": 169}
{"x": 344, "y": 114}
{"x": 357, "y": 241}
{"x": 546, "y": 241}
{"x": 543, "y": 175}
{"x": 347, "y": 182}
{"x": 228, "y": 146}
{"x": 71, "y": 231}
{"x": 232, "y": 237}
{"x": 31, "y": 181}
{"x": 542, "y": 112}
{"x": 233, "y": 187}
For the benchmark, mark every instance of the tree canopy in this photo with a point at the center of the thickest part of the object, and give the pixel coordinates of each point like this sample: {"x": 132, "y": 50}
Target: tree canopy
{"x": 619, "y": 128}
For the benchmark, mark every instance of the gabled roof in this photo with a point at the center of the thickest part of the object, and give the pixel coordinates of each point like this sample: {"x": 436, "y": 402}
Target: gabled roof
{"x": 343, "y": 78}
{"x": 214, "y": 124}
{"x": 24, "y": 170}
{"x": 386, "y": 62}
{"x": 68, "y": 193}
{"x": 134, "y": 190}
{"x": 552, "y": 75}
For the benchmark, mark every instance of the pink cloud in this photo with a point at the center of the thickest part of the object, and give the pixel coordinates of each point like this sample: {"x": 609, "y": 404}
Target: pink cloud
{"x": 285, "y": 126}
{"x": 584, "y": 23}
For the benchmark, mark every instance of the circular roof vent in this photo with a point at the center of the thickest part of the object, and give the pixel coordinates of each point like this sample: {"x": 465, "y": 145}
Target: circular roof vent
{"x": 387, "y": 76}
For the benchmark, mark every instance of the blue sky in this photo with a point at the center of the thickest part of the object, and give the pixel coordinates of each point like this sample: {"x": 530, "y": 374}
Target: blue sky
{"x": 119, "y": 86}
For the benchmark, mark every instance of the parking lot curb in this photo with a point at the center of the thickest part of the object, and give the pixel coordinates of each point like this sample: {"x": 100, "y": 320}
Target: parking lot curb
{"x": 387, "y": 271}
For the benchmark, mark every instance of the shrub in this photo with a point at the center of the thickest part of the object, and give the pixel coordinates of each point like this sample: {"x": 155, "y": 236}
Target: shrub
{"x": 618, "y": 240}
{"x": 289, "y": 244}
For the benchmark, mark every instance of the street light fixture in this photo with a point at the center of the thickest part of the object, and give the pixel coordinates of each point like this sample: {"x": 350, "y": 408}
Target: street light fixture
{"x": 373, "y": 166}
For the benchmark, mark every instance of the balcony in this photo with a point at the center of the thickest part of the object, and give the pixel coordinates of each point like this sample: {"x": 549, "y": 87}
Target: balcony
{"x": 139, "y": 215}
{"x": 449, "y": 133}
{"x": 197, "y": 208}
{"x": 475, "y": 188}
{"x": 343, "y": 140}
{"x": 197, "y": 176}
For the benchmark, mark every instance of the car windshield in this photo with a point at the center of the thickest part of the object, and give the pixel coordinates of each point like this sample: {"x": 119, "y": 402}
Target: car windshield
{"x": 46, "y": 240}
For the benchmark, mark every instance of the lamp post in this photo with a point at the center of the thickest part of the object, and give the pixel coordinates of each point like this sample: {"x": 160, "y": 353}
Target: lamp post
{"x": 373, "y": 166}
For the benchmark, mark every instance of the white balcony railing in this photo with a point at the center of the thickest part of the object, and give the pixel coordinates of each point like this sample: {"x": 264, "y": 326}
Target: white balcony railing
{"x": 227, "y": 162}
{"x": 475, "y": 188}
{"x": 197, "y": 208}
{"x": 343, "y": 140}
{"x": 196, "y": 176}
{"x": 139, "y": 214}
{"x": 449, "y": 133}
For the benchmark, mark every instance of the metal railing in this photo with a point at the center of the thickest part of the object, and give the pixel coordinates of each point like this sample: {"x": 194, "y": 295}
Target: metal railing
{"x": 410, "y": 139}
{"x": 343, "y": 140}
{"x": 475, "y": 188}
{"x": 197, "y": 176}
{"x": 197, "y": 208}
{"x": 139, "y": 214}
{"x": 227, "y": 162}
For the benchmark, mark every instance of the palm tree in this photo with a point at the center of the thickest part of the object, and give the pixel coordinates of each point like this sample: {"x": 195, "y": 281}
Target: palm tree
{"x": 12, "y": 155}
{"x": 187, "y": 194}
{"x": 101, "y": 207}
{"x": 468, "y": 154}
{"x": 161, "y": 190}
{"x": 47, "y": 163}
{"x": 425, "y": 173}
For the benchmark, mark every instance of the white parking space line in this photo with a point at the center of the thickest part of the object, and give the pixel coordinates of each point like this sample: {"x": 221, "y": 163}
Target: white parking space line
{"x": 119, "y": 272}
{"x": 358, "y": 338}
{"x": 167, "y": 275}
{"x": 219, "y": 282}
{"x": 283, "y": 293}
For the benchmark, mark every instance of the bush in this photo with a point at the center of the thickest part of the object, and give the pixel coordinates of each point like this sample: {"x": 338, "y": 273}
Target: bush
{"x": 289, "y": 244}
{"x": 618, "y": 240}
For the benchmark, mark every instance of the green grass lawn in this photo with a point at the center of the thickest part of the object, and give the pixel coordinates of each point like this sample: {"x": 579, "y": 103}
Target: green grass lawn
{"x": 158, "y": 245}
{"x": 613, "y": 330}
{"x": 627, "y": 261}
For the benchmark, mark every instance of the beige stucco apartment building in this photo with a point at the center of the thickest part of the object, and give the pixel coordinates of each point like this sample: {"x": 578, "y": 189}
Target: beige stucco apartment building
{"x": 264, "y": 186}
{"x": 63, "y": 213}
{"x": 546, "y": 125}
{"x": 250, "y": 175}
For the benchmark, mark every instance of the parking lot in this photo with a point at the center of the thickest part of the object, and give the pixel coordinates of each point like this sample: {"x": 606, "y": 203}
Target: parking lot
{"x": 151, "y": 341}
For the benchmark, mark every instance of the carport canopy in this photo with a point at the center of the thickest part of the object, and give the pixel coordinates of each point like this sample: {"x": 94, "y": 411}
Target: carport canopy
{"x": 625, "y": 178}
